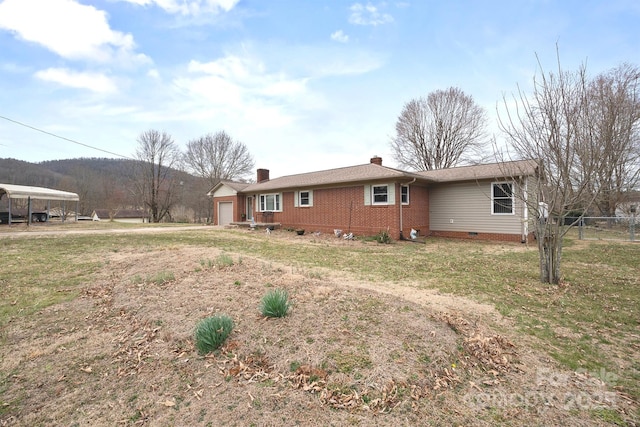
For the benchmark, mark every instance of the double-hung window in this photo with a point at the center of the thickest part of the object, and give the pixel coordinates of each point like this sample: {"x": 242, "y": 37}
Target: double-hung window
{"x": 502, "y": 199}
{"x": 270, "y": 202}
{"x": 303, "y": 198}
{"x": 380, "y": 194}
{"x": 405, "y": 194}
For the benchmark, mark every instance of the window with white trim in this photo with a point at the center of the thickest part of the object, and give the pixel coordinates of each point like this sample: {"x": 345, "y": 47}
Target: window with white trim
{"x": 405, "y": 194}
{"x": 502, "y": 198}
{"x": 270, "y": 202}
{"x": 304, "y": 198}
{"x": 380, "y": 194}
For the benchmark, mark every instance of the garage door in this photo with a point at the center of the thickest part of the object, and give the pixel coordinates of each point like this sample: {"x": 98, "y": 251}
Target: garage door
{"x": 225, "y": 213}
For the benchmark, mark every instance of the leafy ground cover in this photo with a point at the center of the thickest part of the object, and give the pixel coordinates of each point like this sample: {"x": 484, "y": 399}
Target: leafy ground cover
{"x": 97, "y": 328}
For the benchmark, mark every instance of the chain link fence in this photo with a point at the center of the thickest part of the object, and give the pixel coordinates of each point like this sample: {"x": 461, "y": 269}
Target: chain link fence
{"x": 605, "y": 228}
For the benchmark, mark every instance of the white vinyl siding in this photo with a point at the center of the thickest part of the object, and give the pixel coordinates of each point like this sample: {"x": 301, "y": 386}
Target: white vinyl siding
{"x": 303, "y": 198}
{"x": 464, "y": 207}
{"x": 380, "y": 194}
{"x": 225, "y": 190}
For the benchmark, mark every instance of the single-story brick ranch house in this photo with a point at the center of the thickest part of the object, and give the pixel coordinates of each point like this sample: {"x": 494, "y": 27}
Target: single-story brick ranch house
{"x": 479, "y": 202}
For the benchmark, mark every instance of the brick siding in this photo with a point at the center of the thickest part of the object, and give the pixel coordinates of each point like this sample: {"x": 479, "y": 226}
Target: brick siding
{"x": 343, "y": 208}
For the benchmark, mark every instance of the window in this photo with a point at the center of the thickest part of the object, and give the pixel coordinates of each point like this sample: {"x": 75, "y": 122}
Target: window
{"x": 303, "y": 198}
{"x": 405, "y": 194}
{"x": 502, "y": 198}
{"x": 380, "y": 194}
{"x": 270, "y": 202}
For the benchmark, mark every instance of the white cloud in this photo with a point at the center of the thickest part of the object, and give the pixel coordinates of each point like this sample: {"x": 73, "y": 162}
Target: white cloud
{"x": 189, "y": 7}
{"x": 153, "y": 73}
{"x": 91, "y": 81}
{"x": 340, "y": 36}
{"x": 241, "y": 89}
{"x": 368, "y": 15}
{"x": 242, "y": 77}
{"x": 70, "y": 29}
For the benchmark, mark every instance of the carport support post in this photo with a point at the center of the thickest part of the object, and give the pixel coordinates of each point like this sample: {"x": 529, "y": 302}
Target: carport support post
{"x": 29, "y": 210}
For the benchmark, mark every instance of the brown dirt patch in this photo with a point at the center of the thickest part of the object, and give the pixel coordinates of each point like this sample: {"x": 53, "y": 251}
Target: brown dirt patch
{"x": 349, "y": 353}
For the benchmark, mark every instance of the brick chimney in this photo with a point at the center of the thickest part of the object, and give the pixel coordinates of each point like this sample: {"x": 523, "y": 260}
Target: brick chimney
{"x": 263, "y": 175}
{"x": 376, "y": 160}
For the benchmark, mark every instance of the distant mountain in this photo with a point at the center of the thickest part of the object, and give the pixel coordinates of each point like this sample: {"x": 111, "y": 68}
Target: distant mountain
{"x": 19, "y": 172}
{"x": 101, "y": 183}
{"x": 108, "y": 167}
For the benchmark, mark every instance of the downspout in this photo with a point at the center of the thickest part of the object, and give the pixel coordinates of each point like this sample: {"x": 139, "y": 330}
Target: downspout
{"x": 401, "y": 219}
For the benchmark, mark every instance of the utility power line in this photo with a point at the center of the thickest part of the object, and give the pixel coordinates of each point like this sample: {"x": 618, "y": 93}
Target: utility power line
{"x": 64, "y": 138}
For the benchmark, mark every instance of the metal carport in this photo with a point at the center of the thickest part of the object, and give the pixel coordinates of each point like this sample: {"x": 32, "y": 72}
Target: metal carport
{"x": 40, "y": 193}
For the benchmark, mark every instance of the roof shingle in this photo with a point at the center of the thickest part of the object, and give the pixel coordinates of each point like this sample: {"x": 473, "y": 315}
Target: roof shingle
{"x": 350, "y": 174}
{"x": 488, "y": 171}
{"x": 372, "y": 172}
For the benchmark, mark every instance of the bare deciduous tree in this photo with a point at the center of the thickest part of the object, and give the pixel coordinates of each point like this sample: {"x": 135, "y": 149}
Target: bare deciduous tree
{"x": 615, "y": 110}
{"x": 157, "y": 155}
{"x": 554, "y": 125}
{"x": 439, "y": 131}
{"x": 217, "y": 156}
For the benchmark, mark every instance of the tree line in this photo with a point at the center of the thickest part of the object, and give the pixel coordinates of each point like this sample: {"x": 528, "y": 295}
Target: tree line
{"x": 212, "y": 157}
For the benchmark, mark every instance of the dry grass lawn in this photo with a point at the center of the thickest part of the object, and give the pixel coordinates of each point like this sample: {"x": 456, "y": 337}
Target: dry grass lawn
{"x": 350, "y": 351}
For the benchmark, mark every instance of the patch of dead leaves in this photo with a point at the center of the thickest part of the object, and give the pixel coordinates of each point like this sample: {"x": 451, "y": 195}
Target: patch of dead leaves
{"x": 312, "y": 379}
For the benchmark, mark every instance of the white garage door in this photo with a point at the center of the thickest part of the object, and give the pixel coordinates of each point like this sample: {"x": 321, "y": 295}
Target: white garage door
{"x": 225, "y": 213}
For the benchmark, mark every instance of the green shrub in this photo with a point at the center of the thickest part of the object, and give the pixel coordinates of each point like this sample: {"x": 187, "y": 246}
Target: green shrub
{"x": 275, "y": 303}
{"x": 161, "y": 278}
{"x": 224, "y": 260}
{"x": 211, "y": 332}
{"x": 383, "y": 237}
{"x": 206, "y": 263}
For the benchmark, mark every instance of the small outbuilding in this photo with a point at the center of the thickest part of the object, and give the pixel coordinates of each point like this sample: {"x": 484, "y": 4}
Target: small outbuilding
{"x": 134, "y": 216}
{"x": 29, "y": 194}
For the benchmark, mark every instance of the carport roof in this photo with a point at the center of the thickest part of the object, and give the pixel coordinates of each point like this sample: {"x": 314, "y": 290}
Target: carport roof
{"x": 24, "y": 192}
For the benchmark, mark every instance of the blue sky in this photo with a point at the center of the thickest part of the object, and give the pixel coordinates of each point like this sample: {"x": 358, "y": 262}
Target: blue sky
{"x": 305, "y": 85}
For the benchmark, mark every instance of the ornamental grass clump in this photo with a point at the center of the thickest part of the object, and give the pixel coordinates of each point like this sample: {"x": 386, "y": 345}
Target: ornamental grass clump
{"x": 211, "y": 333}
{"x": 275, "y": 303}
